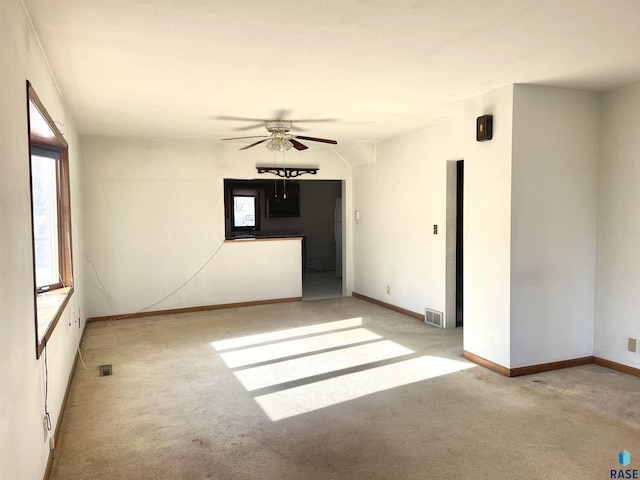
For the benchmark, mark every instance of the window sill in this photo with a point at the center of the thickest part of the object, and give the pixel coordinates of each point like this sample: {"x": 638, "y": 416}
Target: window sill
{"x": 50, "y": 306}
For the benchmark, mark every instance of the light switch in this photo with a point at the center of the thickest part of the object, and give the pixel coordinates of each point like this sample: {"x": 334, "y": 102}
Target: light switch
{"x": 435, "y": 229}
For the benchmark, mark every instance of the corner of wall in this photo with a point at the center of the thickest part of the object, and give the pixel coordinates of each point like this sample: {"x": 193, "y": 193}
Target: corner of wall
{"x": 487, "y": 229}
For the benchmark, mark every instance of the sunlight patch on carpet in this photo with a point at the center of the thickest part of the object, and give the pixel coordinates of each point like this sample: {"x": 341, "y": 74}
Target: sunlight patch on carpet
{"x": 309, "y": 366}
{"x": 271, "y": 352}
{"x": 284, "y": 334}
{"x": 314, "y": 396}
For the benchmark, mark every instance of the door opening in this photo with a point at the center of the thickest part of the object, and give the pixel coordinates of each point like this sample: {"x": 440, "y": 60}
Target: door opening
{"x": 459, "y": 241}
{"x": 321, "y": 209}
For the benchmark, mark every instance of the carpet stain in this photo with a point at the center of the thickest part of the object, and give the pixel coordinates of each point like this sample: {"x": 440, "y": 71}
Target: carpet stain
{"x": 202, "y": 443}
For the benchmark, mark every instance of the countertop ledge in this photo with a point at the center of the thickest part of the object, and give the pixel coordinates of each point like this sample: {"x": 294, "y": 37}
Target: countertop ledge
{"x": 262, "y": 239}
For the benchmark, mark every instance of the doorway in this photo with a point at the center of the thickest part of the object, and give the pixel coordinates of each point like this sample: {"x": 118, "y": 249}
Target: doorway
{"x": 454, "y": 308}
{"x": 459, "y": 241}
{"x": 321, "y": 215}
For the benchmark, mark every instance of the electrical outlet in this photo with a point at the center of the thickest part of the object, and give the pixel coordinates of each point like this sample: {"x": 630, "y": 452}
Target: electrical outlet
{"x": 52, "y": 443}
{"x": 631, "y": 345}
{"x": 388, "y": 289}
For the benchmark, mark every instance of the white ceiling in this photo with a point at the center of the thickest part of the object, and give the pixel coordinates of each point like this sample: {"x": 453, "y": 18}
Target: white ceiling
{"x": 167, "y": 68}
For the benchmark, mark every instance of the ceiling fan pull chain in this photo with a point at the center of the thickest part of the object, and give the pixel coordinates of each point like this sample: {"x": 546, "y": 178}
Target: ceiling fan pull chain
{"x": 284, "y": 180}
{"x": 275, "y": 177}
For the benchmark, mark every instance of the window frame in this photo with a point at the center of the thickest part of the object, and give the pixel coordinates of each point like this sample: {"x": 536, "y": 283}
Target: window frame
{"x": 60, "y": 292}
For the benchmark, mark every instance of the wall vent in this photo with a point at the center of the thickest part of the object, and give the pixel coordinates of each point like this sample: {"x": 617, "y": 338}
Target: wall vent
{"x": 433, "y": 317}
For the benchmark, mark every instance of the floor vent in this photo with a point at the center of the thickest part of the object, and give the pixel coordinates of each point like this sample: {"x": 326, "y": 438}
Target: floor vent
{"x": 433, "y": 317}
{"x": 105, "y": 370}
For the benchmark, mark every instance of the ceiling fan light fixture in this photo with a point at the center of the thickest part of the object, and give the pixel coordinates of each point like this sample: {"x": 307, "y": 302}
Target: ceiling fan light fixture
{"x": 279, "y": 144}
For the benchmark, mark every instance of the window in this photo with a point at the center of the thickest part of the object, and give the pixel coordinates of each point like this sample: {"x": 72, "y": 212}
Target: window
{"x": 51, "y": 219}
{"x": 244, "y": 211}
{"x": 45, "y": 176}
{"x": 242, "y": 208}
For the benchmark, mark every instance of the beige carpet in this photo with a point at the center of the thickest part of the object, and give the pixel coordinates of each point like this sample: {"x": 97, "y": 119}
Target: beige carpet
{"x": 337, "y": 389}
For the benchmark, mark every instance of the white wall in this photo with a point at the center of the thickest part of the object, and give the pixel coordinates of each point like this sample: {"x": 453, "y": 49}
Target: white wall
{"x": 23, "y": 449}
{"x": 487, "y": 229}
{"x": 617, "y": 310}
{"x": 553, "y": 224}
{"x": 154, "y": 213}
{"x": 400, "y": 197}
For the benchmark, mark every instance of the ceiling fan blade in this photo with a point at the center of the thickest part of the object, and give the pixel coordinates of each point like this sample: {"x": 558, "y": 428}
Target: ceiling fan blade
{"x": 297, "y": 145}
{"x": 242, "y": 138}
{"x": 308, "y": 120}
{"x": 250, "y": 127}
{"x": 240, "y": 119}
{"x": 256, "y": 143}
{"x": 314, "y": 139}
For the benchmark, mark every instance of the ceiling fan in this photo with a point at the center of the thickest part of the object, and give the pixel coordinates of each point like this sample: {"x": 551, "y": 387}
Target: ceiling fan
{"x": 279, "y": 139}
